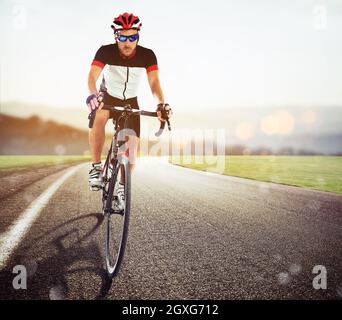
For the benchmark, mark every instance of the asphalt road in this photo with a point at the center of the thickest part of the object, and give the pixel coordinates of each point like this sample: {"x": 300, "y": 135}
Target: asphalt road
{"x": 192, "y": 235}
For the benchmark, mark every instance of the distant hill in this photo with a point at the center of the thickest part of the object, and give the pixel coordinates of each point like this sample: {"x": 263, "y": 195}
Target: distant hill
{"x": 35, "y": 136}
{"x": 75, "y": 117}
{"x": 324, "y": 143}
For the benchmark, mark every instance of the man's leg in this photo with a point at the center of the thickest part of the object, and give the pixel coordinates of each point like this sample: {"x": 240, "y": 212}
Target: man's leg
{"x": 132, "y": 145}
{"x": 133, "y": 142}
{"x": 97, "y": 135}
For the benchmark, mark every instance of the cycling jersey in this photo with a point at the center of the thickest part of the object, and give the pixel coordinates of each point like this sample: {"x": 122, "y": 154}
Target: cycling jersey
{"x": 121, "y": 74}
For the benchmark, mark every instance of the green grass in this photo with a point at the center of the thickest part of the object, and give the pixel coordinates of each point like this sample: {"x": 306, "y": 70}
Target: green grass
{"x": 22, "y": 162}
{"x": 314, "y": 172}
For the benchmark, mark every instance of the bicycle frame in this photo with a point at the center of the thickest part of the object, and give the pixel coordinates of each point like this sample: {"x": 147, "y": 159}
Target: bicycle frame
{"x": 112, "y": 156}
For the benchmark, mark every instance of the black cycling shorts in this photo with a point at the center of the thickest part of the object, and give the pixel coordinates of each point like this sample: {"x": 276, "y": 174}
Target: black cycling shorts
{"x": 134, "y": 121}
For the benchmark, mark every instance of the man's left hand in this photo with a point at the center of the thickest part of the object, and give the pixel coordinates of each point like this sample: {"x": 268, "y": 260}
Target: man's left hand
{"x": 161, "y": 109}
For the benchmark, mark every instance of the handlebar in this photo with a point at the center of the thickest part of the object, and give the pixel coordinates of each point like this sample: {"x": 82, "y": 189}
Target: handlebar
{"x": 132, "y": 112}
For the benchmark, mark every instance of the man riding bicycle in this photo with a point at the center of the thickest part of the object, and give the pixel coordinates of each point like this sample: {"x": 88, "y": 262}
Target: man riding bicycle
{"x": 123, "y": 63}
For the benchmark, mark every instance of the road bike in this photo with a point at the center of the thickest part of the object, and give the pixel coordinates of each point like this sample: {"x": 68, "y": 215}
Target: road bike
{"x": 115, "y": 169}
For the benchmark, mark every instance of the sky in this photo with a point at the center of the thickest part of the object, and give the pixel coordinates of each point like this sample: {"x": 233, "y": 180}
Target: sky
{"x": 222, "y": 54}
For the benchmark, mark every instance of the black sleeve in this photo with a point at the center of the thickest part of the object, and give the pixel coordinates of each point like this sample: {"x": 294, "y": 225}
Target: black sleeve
{"x": 151, "y": 60}
{"x": 100, "y": 58}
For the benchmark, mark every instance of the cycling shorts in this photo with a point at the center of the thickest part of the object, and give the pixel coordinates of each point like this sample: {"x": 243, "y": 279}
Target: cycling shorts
{"x": 134, "y": 121}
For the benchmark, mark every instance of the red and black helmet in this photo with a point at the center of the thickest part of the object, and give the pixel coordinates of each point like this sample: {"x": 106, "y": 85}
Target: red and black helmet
{"x": 126, "y": 21}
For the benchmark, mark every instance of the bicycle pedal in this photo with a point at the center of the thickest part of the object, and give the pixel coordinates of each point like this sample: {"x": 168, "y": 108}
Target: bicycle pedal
{"x": 95, "y": 188}
{"x": 120, "y": 212}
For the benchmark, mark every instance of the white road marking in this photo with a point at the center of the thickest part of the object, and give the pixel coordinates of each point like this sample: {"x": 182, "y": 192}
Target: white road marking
{"x": 10, "y": 239}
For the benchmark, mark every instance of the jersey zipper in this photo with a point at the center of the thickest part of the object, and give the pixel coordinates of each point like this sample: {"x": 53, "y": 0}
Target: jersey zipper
{"x": 126, "y": 84}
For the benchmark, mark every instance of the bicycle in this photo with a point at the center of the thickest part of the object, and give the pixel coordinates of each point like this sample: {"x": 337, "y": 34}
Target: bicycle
{"x": 117, "y": 168}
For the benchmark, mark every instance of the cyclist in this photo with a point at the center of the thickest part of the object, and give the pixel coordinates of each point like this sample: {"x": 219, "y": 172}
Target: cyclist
{"x": 122, "y": 64}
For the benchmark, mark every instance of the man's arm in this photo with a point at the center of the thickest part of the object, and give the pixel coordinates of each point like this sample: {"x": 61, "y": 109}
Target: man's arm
{"x": 93, "y": 76}
{"x": 92, "y": 100}
{"x": 153, "y": 80}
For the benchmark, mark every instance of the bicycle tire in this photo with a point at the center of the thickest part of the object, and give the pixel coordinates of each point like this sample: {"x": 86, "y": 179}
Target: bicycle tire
{"x": 114, "y": 256}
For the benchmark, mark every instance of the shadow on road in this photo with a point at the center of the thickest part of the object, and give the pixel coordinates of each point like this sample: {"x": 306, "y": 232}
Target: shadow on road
{"x": 71, "y": 266}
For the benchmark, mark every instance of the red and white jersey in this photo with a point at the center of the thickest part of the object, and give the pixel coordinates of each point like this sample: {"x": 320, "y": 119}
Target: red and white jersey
{"x": 121, "y": 75}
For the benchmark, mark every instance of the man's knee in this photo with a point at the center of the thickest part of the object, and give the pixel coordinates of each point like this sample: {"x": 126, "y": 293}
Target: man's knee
{"x": 133, "y": 143}
{"x": 129, "y": 149}
{"x": 101, "y": 118}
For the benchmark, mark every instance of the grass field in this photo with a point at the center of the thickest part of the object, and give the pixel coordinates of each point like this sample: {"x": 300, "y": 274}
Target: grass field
{"x": 21, "y": 162}
{"x": 314, "y": 172}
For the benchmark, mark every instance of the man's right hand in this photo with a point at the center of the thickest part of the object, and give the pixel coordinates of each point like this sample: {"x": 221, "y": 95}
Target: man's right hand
{"x": 95, "y": 102}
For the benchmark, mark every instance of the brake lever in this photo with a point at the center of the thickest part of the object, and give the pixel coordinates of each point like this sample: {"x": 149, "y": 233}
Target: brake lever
{"x": 162, "y": 126}
{"x": 168, "y": 124}
{"x": 91, "y": 118}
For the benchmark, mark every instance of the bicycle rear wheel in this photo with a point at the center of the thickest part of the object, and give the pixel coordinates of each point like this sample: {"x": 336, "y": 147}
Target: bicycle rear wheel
{"x": 117, "y": 221}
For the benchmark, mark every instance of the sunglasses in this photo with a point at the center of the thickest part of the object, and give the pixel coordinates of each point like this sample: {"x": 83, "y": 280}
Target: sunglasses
{"x": 131, "y": 38}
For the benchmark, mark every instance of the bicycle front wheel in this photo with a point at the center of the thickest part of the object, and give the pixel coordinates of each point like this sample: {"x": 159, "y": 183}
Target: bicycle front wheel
{"x": 117, "y": 218}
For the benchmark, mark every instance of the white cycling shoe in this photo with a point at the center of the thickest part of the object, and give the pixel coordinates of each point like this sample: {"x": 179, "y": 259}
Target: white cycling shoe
{"x": 95, "y": 177}
{"x": 120, "y": 198}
